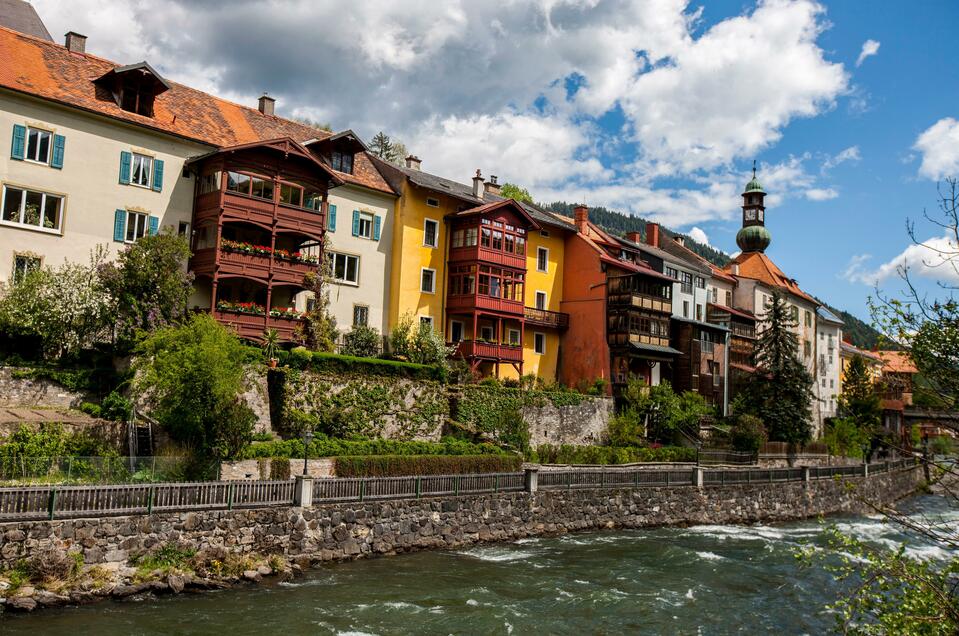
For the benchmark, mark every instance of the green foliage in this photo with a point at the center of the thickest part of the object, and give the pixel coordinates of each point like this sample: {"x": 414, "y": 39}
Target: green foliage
{"x": 329, "y": 447}
{"x": 861, "y": 409}
{"x": 627, "y": 428}
{"x": 403, "y": 465}
{"x": 780, "y": 392}
{"x": 387, "y": 148}
{"x": 843, "y": 437}
{"x": 168, "y": 556}
{"x": 115, "y": 407}
{"x": 91, "y": 409}
{"x": 148, "y": 286}
{"x": 319, "y": 362}
{"x": 419, "y": 343}
{"x": 513, "y": 191}
{"x": 271, "y": 342}
{"x": 570, "y": 454}
{"x": 748, "y": 433}
{"x": 941, "y": 445}
{"x": 664, "y": 414}
{"x": 194, "y": 375}
{"x": 362, "y": 341}
{"x": 51, "y": 440}
{"x": 319, "y": 331}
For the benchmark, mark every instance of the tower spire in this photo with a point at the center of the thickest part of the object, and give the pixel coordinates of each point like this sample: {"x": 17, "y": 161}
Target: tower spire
{"x": 753, "y": 237}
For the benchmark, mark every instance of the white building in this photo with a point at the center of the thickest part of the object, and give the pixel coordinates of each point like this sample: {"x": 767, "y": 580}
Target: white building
{"x": 828, "y": 365}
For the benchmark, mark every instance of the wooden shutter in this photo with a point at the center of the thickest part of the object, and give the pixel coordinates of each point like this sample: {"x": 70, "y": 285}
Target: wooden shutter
{"x": 126, "y": 159}
{"x": 119, "y": 225}
{"x": 158, "y": 175}
{"x": 356, "y": 222}
{"x": 376, "y": 228}
{"x": 154, "y": 226}
{"x": 18, "y": 148}
{"x": 331, "y": 222}
{"x": 59, "y": 141}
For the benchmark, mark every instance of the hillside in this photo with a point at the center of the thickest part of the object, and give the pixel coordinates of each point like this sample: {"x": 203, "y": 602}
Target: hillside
{"x": 859, "y": 332}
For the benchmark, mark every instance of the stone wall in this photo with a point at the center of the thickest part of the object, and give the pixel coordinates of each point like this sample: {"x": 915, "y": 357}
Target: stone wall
{"x": 582, "y": 424}
{"x": 798, "y": 461}
{"x": 28, "y": 392}
{"x": 351, "y": 530}
{"x": 254, "y": 469}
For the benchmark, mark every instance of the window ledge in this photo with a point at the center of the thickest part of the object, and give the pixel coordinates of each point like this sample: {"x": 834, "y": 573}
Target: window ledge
{"x": 346, "y": 283}
{"x": 31, "y": 228}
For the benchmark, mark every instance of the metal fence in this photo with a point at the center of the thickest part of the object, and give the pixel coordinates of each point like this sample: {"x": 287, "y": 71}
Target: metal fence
{"x": 70, "y": 501}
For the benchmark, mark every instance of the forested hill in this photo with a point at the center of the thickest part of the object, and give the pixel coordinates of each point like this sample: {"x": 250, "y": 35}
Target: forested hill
{"x": 859, "y": 332}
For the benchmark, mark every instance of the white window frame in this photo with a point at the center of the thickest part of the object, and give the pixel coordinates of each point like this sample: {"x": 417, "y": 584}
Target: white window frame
{"x": 139, "y": 232}
{"x": 539, "y": 336}
{"x": 16, "y": 275}
{"x": 366, "y": 322}
{"x": 346, "y": 257}
{"x": 426, "y": 320}
{"x": 509, "y": 337}
{"x": 433, "y": 203}
{"x": 148, "y": 172}
{"x": 20, "y": 222}
{"x": 423, "y": 270}
{"x": 365, "y": 218}
{"x": 436, "y": 233}
{"x": 453, "y": 331}
{"x": 541, "y": 294}
{"x": 545, "y": 268}
{"x": 26, "y": 146}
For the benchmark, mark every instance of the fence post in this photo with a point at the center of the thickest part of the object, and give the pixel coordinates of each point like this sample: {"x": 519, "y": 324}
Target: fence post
{"x": 229, "y": 495}
{"x": 150, "y": 501}
{"x": 362, "y": 489}
{"x": 865, "y": 470}
{"x": 52, "y": 503}
{"x": 302, "y": 492}
{"x": 531, "y": 479}
{"x": 806, "y": 475}
{"x": 698, "y": 477}
{"x": 419, "y": 487}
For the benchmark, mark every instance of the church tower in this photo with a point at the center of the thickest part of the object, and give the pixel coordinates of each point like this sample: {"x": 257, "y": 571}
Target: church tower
{"x": 753, "y": 237}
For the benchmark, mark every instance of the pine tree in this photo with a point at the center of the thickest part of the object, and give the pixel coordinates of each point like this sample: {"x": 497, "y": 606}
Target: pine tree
{"x": 780, "y": 391}
{"x": 859, "y": 400}
{"x": 381, "y": 145}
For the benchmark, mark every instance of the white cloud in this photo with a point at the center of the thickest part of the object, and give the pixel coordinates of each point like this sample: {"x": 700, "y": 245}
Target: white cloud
{"x": 821, "y": 194}
{"x": 939, "y": 147}
{"x": 869, "y": 48}
{"x": 848, "y": 154}
{"x": 698, "y": 235}
{"x": 935, "y": 259}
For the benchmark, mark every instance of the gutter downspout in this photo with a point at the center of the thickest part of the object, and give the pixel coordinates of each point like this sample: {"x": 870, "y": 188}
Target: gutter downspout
{"x": 726, "y": 376}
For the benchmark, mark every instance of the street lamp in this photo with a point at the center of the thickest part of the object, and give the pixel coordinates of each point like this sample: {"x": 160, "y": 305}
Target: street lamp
{"x": 307, "y": 438}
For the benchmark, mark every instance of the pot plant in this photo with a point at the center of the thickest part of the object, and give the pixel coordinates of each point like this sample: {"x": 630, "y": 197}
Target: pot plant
{"x": 271, "y": 341}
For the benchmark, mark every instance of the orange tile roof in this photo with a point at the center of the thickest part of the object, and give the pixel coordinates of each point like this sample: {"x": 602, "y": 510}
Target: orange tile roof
{"x": 758, "y": 266}
{"x": 47, "y": 70}
{"x": 897, "y": 362}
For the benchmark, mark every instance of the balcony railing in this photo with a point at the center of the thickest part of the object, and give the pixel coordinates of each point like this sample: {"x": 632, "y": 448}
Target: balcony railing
{"x": 487, "y": 255}
{"x": 488, "y": 303}
{"x": 489, "y": 351}
{"x": 257, "y": 266}
{"x": 252, "y": 209}
{"x": 636, "y": 299}
{"x": 252, "y": 326}
{"x": 744, "y": 331}
{"x": 546, "y": 318}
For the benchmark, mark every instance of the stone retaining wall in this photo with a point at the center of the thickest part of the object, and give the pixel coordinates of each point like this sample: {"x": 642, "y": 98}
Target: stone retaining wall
{"x": 29, "y": 392}
{"x": 351, "y": 530}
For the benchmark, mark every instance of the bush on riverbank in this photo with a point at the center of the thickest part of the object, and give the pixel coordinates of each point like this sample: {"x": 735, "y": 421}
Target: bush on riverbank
{"x": 332, "y": 447}
{"x": 404, "y": 465}
{"x": 569, "y": 454}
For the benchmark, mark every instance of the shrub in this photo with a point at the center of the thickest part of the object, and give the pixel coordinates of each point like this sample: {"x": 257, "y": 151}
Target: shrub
{"x": 91, "y": 409}
{"x": 52, "y": 564}
{"x": 328, "y": 447}
{"x": 361, "y": 342}
{"x": 402, "y": 465}
{"x": 844, "y": 437}
{"x": 116, "y": 407}
{"x": 420, "y": 344}
{"x": 626, "y": 429}
{"x": 748, "y": 433}
{"x": 300, "y": 358}
{"x": 570, "y": 454}
{"x": 280, "y": 468}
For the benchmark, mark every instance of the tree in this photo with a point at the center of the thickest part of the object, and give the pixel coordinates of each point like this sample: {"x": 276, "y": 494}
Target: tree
{"x": 513, "y": 191}
{"x": 149, "y": 286}
{"x": 859, "y": 401}
{"x": 319, "y": 330}
{"x": 193, "y": 376}
{"x": 665, "y": 415}
{"x": 388, "y": 149}
{"x": 362, "y": 341}
{"x": 312, "y": 123}
{"x": 780, "y": 391}
{"x": 419, "y": 343}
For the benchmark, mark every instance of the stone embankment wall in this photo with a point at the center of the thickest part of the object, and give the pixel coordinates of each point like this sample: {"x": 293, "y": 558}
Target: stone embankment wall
{"x": 26, "y": 392}
{"x": 798, "y": 461}
{"x": 583, "y": 424}
{"x": 352, "y": 530}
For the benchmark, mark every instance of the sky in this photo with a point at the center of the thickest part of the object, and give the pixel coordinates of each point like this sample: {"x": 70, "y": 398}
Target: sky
{"x": 651, "y": 107}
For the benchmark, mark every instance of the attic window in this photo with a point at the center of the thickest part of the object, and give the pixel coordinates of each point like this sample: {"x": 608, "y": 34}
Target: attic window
{"x": 136, "y": 98}
{"x": 342, "y": 162}
{"x": 134, "y": 87}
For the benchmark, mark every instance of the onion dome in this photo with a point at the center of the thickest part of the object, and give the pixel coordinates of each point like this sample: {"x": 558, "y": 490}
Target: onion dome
{"x": 753, "y": 238}
{"x": 754, "y": 186}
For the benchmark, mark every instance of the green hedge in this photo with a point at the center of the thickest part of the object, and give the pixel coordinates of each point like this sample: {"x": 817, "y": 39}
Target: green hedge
{"x": 569, "y": 454}
{"x": 336, "y": 363}
{"x": 331, "y": 447}
{"x": 404, "y": 465}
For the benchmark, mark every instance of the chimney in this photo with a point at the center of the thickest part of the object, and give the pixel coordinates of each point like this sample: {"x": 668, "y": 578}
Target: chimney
{"x": 413, "y": 162}
{"x": 635, "y": 237}
{"x": 652, "y": 234}
{"x": 581, "y": 215}
{"x": 492, "y": 186}
{"x": 735, "y": 269}
{"x": 679, "y": 239}
{"x": 75, "y": 42}
{"x": 478, "y": 184}
{"x": 266, "y": 104}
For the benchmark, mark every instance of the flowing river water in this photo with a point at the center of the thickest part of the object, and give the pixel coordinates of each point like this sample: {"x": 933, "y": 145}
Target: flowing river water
{"x": 698, "y": 580}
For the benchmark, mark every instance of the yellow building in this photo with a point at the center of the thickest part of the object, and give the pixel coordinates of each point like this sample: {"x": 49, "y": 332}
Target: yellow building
{"x": 848, "y": 351}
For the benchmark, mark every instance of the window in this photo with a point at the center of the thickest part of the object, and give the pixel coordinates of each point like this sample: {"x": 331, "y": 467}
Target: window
{"x": 342, "y": 162}
{"x": 361, "y": 315}
{"x": 699, "y": 312}
{"x": 210, "y": 182}
{"x": 141, "y": 168}
{"x": 539, "y": 343}
{"x": 486, "y": 333}
{"x": 291, "y": 194}
{"x": 456, "y": 331}
{"x": 345, "y": 267}
{"x": 713, "y": 295}
{"x": 541, "y": 300}
{"x": 366, "y": 226}
{"x": 672, "y": 272}
{"x": 685, "y": 309}
{"x": 137, "y": 226}
{"x": 428, "y": 280}
{"x": 433, "y": 203}
{"x": 183, "y": 229}
{"x": 513, "y": 335}
{"x": 542, "y": 259}
{"x": 32, "y": 209}
{"x": 23, "y": 264}
{"x": 426, "y": 321}
{"x": 544, "y": 233}
{"x": 38, "y": 145}
{"x": 700, "y": 282}
{"x": 262, "y": 188}
{"x": 430, "y": 233}
{"x": 687, "y": 287}
{"x": 832, "y": 383}
{"x": 707, "y": 340}
{"x": 729, "y": 298}
{"x": 794, "y": 312}
{"x": 824, "y": 383}
{"x": 714, "y": 368}
{"x": 808, "y": 318}
{"x": 807, "y": 348}
{"x": 238, "y": 182}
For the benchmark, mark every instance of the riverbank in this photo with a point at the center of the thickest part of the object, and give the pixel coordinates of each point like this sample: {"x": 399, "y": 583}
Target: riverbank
{"x": 331, "y": 532}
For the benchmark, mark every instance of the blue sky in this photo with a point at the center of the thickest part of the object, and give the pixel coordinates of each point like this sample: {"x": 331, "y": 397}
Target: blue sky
{"x": 651, "y": 107}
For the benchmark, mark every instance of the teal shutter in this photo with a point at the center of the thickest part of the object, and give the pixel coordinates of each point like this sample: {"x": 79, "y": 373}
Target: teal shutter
{"x": 158, "y": 175}
{"x": 18, "y": 149}
{"x": 59, "y": 141}
{"x": 331, "y": 222}
{"x": 154, "y": 226}
{"x": 126, "y": 158}
{"x": 376, "y": 228}
{"x": 119, "y": 225}
{"x": 356, "y": 222}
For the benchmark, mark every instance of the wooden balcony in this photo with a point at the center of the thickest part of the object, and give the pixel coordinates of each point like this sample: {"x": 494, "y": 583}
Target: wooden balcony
{"x": 642, "y": 301}
{"x": 488, "y": 351}
{"x": 484, "y": 303}
{"x": 251, "y": 326}
{"x": 545, "y": 318}
{"x": 241, "y": 265}
{"x": 239, "y": 207}
{"x": 477, "y": 253}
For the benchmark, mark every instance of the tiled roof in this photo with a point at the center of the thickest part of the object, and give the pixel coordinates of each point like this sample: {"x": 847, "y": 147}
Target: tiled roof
{"x": 494, "y": 205}
{"x": 21, "y": 16}
{"x": 686, "y": 255}
{"x": 596, "y": 238}
{"x": 735, "y": 312}
{"x": 852, "y": 350}
{"x": 758, "y": 266}
{"x": 897, "y": 362}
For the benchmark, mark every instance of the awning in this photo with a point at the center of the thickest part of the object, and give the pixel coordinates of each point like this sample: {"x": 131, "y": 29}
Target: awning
{"x": 655, "y": 351}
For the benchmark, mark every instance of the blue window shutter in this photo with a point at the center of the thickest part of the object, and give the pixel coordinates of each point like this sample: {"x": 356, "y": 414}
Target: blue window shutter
{"x": 331, "y": 222}
{"x": 126, "y": 158}
{"x": 119, "y": 225}
{"x": 376, "y": 228}
{"x": 18, "y": 148}
{"x": 158, "y": 174}
{"x": 154, "y": 226}
{"x": 59, "y": 141}
{"x": 356, "y": 222}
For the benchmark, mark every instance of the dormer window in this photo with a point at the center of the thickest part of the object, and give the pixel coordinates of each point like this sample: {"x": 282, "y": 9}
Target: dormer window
{"x": 342, "y": 162}
{"x": 134, "y": 88}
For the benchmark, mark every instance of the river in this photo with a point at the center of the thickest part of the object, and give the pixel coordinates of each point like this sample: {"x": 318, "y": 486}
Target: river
{"x": 699, "y": 580}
